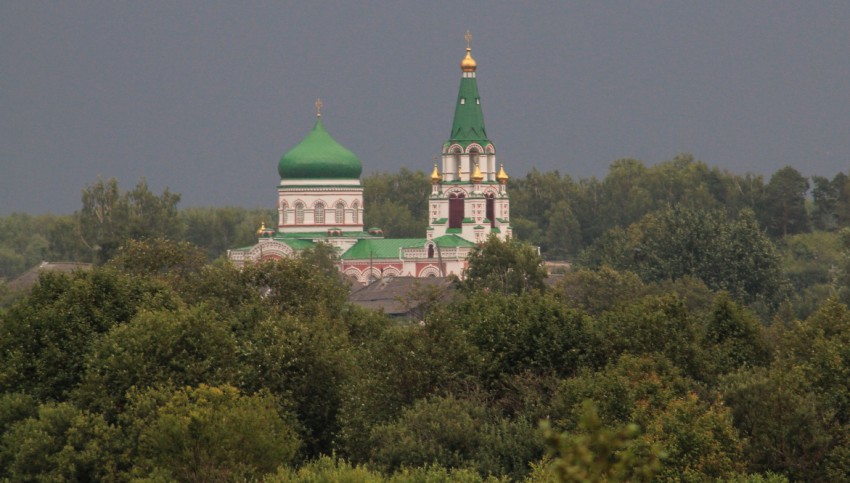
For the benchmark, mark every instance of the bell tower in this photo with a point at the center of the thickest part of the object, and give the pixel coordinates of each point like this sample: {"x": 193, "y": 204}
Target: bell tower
{"x": 468, "y": 195}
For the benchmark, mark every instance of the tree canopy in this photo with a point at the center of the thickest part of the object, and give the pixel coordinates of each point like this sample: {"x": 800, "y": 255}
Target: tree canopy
{"x": 705, "y": 337}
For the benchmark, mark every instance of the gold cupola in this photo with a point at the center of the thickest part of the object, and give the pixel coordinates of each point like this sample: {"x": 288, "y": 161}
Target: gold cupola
{"x": 436, "y": 177}
{"x": 477, "y": 176}
{"x": 502, "y": 177}
{"x": 468, "y": 64}
{"x": 264, "y": 231}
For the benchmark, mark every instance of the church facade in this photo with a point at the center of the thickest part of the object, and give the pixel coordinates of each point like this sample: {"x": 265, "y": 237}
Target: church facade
{"x": 320, "y": 200}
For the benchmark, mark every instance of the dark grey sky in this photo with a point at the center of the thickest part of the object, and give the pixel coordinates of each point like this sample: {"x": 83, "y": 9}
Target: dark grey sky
{"x": 205, "y": 97}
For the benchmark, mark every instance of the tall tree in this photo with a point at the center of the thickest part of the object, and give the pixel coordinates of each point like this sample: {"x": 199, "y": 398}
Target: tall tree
{"x": 542, "y": 214}
{"x": 783, "y": 208}
{"x": 397, "y": 203}
{"x": 61, "y": 443}
{"x": 109, "y": 217}
{"x": 218, "y": 229}
{"x": 210, "y": 433}
{"x": 732, "y": 255}
{"x": 831, "y": 202}
{"x": 505, "y": 267}
{"x": 44, "y": 337}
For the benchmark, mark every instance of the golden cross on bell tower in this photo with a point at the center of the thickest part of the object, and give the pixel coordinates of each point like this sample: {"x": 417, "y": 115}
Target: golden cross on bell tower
{"x": 468, "y": 37}
{"x": 318, "y": 107}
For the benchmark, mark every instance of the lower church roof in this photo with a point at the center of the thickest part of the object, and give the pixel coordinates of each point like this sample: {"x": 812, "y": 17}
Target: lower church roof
{"x": 382, "y": 248}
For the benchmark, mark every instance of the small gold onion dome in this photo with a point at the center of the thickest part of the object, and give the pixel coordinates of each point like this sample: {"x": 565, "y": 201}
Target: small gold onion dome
{"x": 468, "y": 64}
{"x": 502, "y": 177}
{"x": 262, "y": 228}
{"x": 436, "y": 177}
{"x": 477, "y": 176}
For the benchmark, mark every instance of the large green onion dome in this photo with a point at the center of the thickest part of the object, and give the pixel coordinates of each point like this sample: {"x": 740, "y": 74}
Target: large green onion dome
{"x": 319, "y": 156}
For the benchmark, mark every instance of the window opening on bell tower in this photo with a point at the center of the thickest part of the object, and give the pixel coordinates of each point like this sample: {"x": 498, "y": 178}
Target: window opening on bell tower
{"x": 456, "y": 202}
{"x": 491, "y": 209}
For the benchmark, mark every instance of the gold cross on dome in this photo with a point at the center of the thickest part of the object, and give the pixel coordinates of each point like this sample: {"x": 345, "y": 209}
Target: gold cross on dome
{"x": 318, "y": 107}
{"x": 468, "y": 37}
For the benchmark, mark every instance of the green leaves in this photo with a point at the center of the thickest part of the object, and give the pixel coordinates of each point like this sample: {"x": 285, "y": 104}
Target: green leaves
{"x": 396, "y": 203}
{"x": 730, "y": 255}
{"x": 211, "y": 433}
{"x": 61, "y": 443}
{"x": 599, "y": 453}
{"x": 455, "y": 433}
{"x": 783, "y": 209}
{"x": 188, "y": 346}
{"x": 109, "y": 217}
{"x": 504, "y": 267}
{"x": 44, "y": 338}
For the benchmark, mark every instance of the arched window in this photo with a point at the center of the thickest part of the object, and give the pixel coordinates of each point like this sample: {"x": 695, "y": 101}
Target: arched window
{"x": 457, "y": 165}
{"x": 319, "y": 213}
{"x": 430, "y": 251}
{"x": 491, "y": 209}
{"x": 473, "y": 158}
{"x": 283, "y": 207}
{"x": 339, "y": 214}
{"x": 299, "y": 213}
{"x": 355, "y": 215}
{"x": 456, "y": 203}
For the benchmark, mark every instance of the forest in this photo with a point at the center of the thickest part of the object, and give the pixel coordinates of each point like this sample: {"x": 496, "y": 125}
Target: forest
{"x": 701, "y": 333}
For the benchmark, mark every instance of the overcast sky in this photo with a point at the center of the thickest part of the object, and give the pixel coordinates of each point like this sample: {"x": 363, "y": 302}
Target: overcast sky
{"x": 205, "y": 97}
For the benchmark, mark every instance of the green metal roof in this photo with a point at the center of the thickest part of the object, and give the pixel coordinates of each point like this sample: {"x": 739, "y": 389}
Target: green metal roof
{"x": 298, "y": 244}
{"x": 452, "y": 241}
{"x": 468, "y": 124}
{"x": 380, "y": 248}
{"x": 319, "y": 156}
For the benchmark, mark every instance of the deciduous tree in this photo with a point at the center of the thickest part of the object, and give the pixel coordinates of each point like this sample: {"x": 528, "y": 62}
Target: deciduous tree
{"x": 783, "y": 209}
{"x": 210, "y": 433}
{"x": 505, "y": 267}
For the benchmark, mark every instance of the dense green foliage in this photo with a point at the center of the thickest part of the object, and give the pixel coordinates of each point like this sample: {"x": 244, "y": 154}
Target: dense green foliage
{"x": 109, "y": 217}
{"x": 508, "y": 266}
{"x": 622, "y": 220}
{"x": 726, "y": 254}
{"x": 704, "y": 337}
{"x": 160, "y": 367}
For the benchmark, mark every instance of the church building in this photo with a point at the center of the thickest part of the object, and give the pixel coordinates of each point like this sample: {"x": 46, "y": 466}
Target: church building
{"x": 320, "y": 200}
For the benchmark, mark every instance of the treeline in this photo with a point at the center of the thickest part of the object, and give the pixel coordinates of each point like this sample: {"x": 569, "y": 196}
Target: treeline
{"x": 561, "y": 215}
{"x": 109, "y": 216}
{"x": 673, "y": 219}
{"x": 158, "y": 366}
{"x": 564, "y": 216}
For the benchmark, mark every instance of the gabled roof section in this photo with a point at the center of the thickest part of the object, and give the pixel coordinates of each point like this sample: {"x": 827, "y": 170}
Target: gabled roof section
{"x": 452, "y": 241}
{"x": 28, "y": 279}
{"x": 395, "y": 295}
{"x": 384, "y": 248}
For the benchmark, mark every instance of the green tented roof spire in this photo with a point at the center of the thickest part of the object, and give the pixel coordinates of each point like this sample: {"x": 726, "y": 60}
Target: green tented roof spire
{"x": 468, "y": 124}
